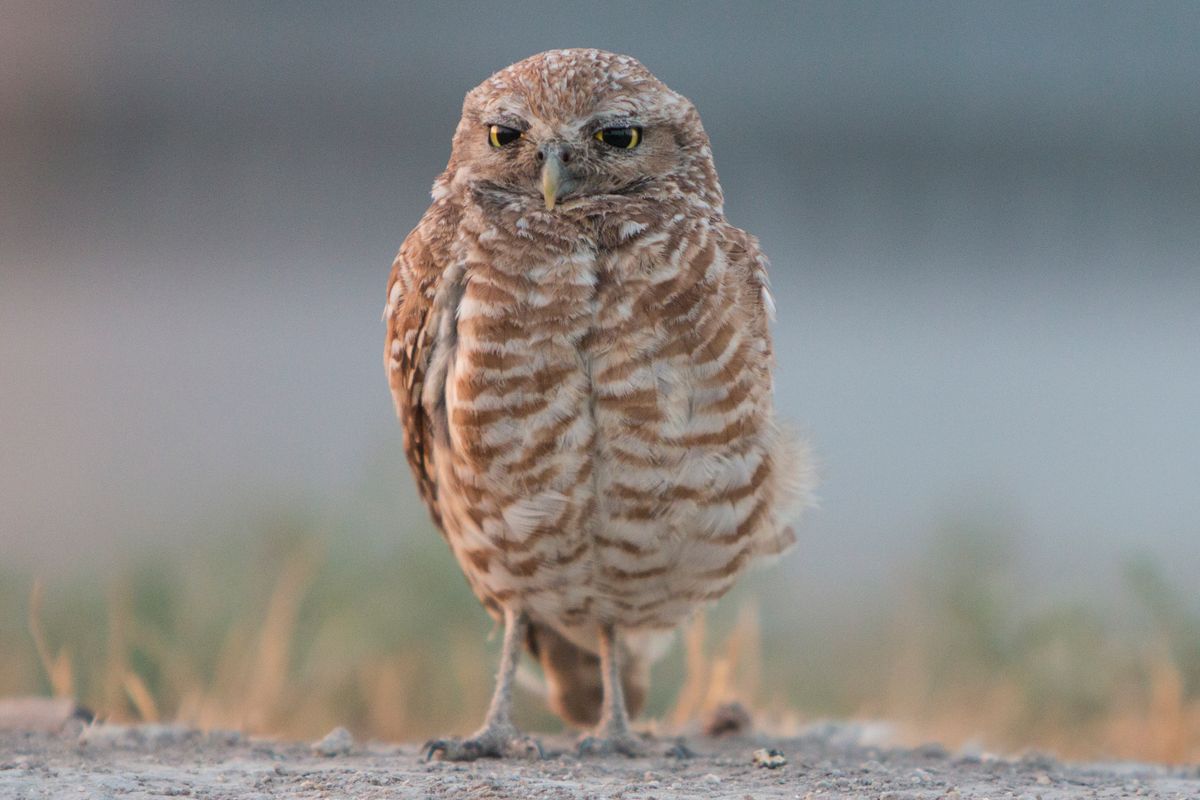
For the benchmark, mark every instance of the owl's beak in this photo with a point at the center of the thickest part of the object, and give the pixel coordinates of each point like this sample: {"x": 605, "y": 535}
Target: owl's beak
{"x": 552, "y": 178}
{"x": 556, "y": 180}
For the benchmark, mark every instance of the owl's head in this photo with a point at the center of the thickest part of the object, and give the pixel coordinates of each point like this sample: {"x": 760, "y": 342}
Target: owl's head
{"x": 569, "y": 128}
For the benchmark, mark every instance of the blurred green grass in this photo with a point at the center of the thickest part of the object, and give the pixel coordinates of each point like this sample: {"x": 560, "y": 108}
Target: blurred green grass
{"x": 292, "y": 625}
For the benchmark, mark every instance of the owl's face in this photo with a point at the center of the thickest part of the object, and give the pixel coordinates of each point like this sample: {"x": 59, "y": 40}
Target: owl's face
{"x": 566, "y": 127}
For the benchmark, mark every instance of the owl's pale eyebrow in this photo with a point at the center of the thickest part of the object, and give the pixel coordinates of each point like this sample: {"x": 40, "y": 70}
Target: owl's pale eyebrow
{"x": 601, "y": 122}
{"x": 508, "y": 121}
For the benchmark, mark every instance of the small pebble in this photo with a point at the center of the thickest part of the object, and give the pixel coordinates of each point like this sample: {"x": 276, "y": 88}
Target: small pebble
{"x": 726, "y": 720}
{"x": 771, "y": 759}
{"x": 336, "y": 743}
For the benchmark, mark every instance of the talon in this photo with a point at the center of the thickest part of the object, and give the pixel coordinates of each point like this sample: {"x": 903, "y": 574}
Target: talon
{"x": 433, "y": 747}
{"x": 528, "y": 747}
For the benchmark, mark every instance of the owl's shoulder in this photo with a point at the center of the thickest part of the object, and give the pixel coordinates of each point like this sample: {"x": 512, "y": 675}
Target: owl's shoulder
{"x": 426, "y": 249}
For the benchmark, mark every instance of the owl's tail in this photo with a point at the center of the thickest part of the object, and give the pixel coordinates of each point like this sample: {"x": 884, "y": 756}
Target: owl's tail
{"x": 574, "y": 688}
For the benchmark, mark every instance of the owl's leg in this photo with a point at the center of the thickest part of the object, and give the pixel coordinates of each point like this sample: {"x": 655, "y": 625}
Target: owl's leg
{"x": 613, "y": 734}
{"x": 499, "y": 737}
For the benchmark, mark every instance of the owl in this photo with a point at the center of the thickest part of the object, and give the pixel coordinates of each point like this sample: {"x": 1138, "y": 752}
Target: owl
{"x": 579, "y": 353}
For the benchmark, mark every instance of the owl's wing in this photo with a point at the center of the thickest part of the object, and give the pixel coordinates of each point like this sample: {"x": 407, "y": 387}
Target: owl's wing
{"x": 413, "y": 320}
{"x": 749, "y": 265}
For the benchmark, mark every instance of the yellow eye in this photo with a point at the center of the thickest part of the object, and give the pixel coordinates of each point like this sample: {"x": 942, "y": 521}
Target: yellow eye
{"x": 500, "y": 135}
{"x": 624, "y": 138}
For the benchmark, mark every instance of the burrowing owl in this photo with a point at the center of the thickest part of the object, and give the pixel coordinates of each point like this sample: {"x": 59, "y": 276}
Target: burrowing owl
{"x": 578, "y": 349}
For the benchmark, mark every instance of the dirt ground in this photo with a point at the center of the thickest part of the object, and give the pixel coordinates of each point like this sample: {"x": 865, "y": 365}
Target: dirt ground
{"x": 830, "y": 761}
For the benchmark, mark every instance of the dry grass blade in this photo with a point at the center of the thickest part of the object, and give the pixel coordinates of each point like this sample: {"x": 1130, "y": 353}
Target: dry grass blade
{"x": 269, "y": 681}
{"x": 691, "y": 694}
{"x": 57, "y": 668}
{"x": 143, "y": 701}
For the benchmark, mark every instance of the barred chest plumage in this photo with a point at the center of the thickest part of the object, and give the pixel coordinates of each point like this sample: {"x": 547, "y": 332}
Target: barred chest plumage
{"x": 608, "y": 453}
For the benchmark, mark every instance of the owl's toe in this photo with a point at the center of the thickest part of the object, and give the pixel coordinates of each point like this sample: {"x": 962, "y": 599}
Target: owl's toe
{"x": 451, "y": 750}
{"x": 488, "y": 743}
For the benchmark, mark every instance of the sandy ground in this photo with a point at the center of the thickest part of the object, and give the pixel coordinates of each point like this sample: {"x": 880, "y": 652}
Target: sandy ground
{"x": 830, "y": 761}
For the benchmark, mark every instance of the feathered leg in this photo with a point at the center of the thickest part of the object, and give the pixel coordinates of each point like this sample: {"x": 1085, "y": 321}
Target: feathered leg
{"x": 613, "y": 734}
{"x": 499, "y": 737}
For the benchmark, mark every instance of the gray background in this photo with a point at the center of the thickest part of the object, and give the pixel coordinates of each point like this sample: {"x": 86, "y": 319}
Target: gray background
{"x": 983, "y": 218}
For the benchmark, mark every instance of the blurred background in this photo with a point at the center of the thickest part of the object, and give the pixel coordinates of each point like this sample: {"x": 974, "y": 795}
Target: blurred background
{"x": 984, "y": 224}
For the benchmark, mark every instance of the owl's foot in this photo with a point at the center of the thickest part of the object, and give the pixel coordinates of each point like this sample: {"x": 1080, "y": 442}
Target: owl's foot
{"x": 612, "y": 743}
{"x": 491, "y": 742}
